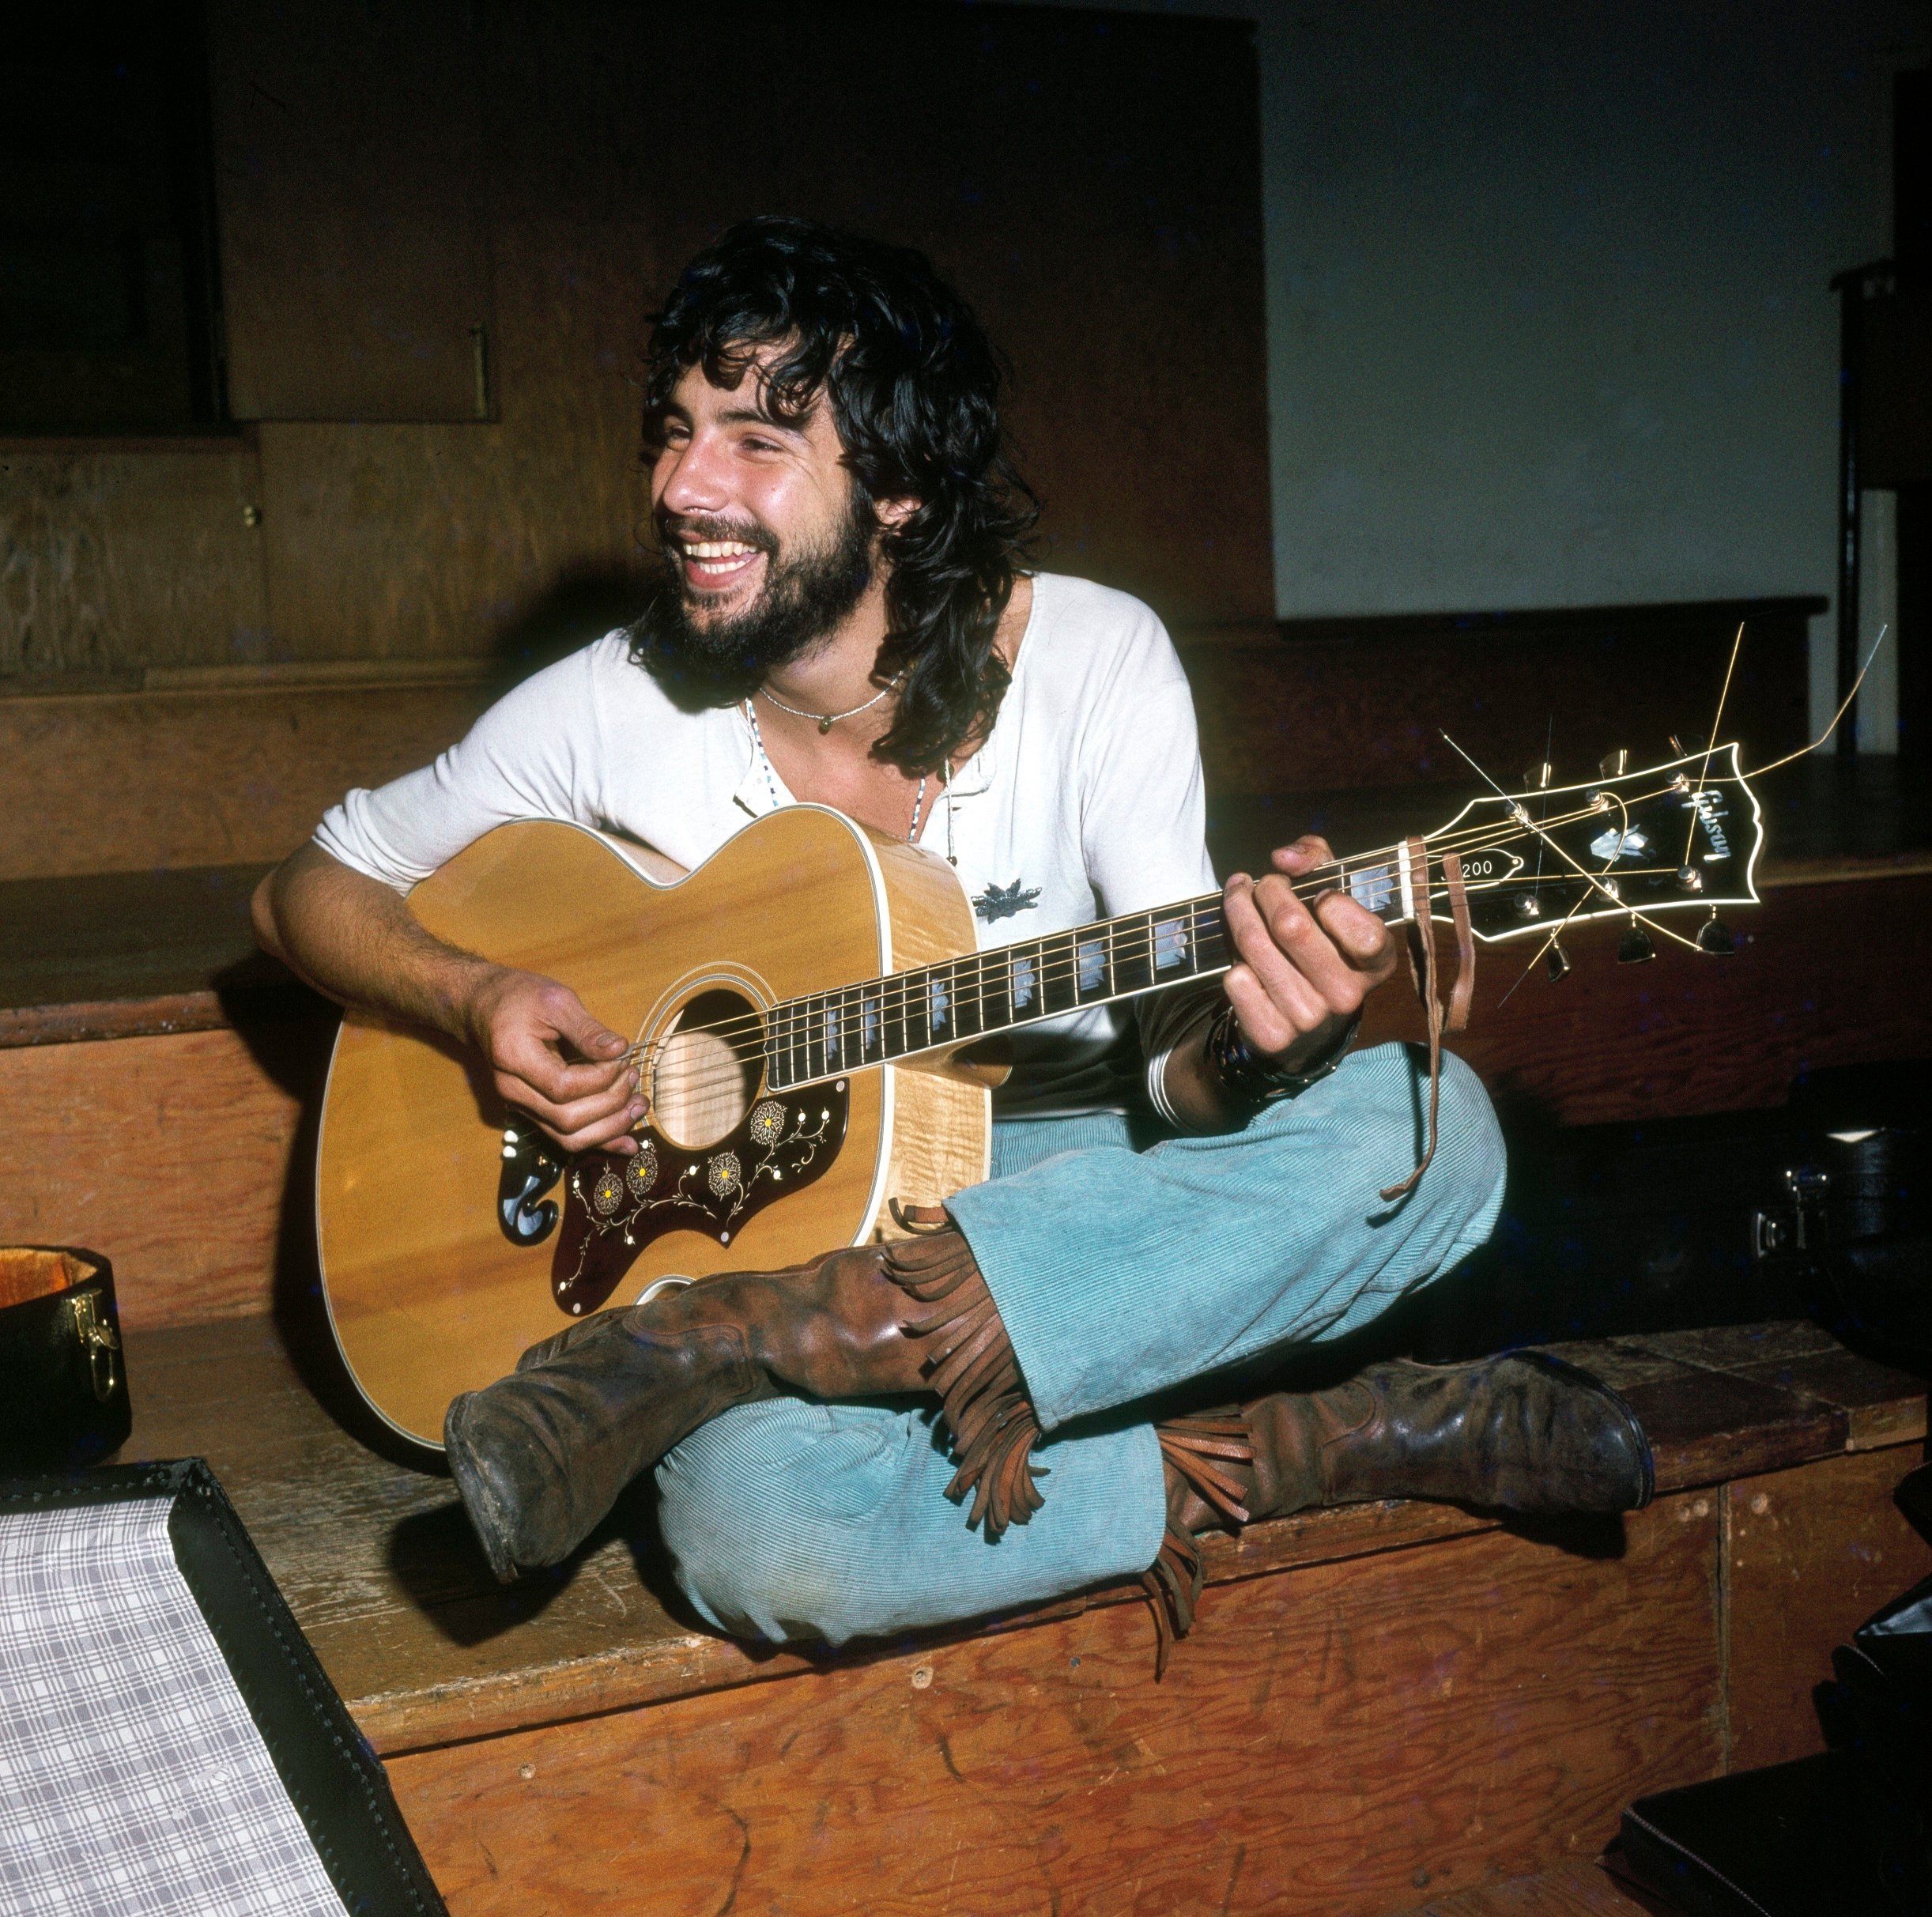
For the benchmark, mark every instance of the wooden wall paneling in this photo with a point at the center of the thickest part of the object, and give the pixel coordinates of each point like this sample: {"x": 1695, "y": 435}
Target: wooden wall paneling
{"x": 1092, "y": 185}
{"x": 350, "y": 185}
{"x": 171, "y": 1156}
{"x": 111, "y": 560}
{"x": 1328, "y": 1740}
{"x": 102, "y": 158}
{"x": 127, "y": 782}
{"x": 1334, "y": 707}
{"x": 1811, "y": 1553}
{"x": 1140, "y": 356}
{"x": 480, "y": 541}
{"x": 1824, "y": 974}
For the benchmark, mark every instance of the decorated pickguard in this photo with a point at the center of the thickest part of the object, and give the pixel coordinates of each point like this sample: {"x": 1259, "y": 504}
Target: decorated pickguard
{"x": 614, "y": 1206}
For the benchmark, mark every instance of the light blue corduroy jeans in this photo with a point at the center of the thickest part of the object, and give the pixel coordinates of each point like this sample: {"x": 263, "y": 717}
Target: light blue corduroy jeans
{"x": 1120, "y": 1274}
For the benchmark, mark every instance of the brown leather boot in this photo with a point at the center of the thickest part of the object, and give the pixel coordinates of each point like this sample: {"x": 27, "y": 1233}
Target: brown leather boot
{"x": 541, "y": 1456}
{"x": 1523, "y": 1432}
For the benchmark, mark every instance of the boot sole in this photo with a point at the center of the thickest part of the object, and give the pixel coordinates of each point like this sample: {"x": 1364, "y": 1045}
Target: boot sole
{"x": 479, "y": 1502}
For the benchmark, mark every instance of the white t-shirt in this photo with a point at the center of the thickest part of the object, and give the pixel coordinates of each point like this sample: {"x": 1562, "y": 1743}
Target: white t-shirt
{"x": 1084, "y": 803}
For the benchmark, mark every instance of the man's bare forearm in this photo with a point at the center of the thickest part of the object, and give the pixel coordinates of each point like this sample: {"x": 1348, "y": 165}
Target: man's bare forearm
{"x": 352, "y": 938}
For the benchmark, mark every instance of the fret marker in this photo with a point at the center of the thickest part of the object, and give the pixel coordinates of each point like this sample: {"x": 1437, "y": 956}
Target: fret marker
{"x": 936, "y": 1002}
{"x": 1092, "y": 960}
{"x": 1372, "y": 888}
{"x": 1170, "y": 944}
{"x": 1022, "y": 982}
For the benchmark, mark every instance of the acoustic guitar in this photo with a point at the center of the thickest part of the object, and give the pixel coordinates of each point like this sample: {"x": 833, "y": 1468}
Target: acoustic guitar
{"x": 806, "y": 1009}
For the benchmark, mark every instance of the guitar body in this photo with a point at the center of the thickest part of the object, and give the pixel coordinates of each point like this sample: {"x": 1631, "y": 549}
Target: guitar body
{"x": 430, "y": 1291}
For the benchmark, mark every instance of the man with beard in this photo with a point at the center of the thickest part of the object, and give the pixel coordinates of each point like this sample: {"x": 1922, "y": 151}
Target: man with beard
{"x": 1181, "y": 1186}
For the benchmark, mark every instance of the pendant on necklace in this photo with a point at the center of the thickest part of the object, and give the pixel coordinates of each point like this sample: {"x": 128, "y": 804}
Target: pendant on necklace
{"x": 825, "y": 726}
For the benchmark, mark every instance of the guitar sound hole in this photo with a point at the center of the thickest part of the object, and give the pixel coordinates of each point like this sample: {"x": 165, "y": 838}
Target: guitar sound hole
{"x": 706, "y": 1069}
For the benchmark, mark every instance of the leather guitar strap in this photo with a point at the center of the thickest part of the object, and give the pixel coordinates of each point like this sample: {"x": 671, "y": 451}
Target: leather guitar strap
{"x": 1464, "y": 989}
{"x": 1423, "y": 935}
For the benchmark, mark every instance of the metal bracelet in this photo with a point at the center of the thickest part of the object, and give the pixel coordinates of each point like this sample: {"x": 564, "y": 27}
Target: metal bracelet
{"x": 1247, "y": 1078}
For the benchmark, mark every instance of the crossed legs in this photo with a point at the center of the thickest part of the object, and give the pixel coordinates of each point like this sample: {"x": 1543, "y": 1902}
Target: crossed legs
{"x": 1096, "y": 1276}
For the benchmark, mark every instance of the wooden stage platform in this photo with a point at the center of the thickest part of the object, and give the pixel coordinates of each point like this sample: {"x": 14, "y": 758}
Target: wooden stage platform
{"x": 1376, "y": 1702}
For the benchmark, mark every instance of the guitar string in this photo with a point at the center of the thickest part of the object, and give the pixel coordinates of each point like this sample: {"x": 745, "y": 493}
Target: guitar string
{"x": 1704, "y": 780}
{"x": 1844, "y": 706}
{"x": 1594, "y": 887}
{"x": 1130, "y": 938}
{"x": 837, "y": 1029}
{"x": 841, "y": 1027}
{"x": 1717, "y": 720}
{"x": 801, "y": 1023}
{"x": 837, "y": 1022}
{"x": 862, "y": 1016}
{"x": 1595, "y": 882}
{"x": 1308, "y": 885}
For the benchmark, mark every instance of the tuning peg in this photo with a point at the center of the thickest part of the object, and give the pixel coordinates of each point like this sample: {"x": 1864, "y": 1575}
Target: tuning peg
{"x": 1611, "y": 765}
{"x": 1528, "y": 905}
{"x": 1537, "y": 778}
{"x": 1714, "y": 936}
{"x": 1557, "y": 962}
{"x": 1635, "y": 946}
{"x": 1690, "y": 878}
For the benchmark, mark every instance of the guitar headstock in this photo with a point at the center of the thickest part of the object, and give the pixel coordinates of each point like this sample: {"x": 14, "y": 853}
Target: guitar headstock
{"x": 1683, "y": 835}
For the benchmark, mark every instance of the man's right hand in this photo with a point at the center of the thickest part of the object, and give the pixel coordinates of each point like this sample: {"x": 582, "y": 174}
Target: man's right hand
{"x": 551, "y": 1058}
{"x": 352, "y": 936}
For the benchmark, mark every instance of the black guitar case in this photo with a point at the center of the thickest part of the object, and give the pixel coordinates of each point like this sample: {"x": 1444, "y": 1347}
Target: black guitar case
{"x": 170, "y": 1743}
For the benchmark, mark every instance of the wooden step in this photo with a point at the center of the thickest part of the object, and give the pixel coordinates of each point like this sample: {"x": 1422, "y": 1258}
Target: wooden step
{"x": 1376, "y": 1701}
{"x": 173, "y": 1133}
{"x": 225, "y": 769}
{"x": 218, "y": 765}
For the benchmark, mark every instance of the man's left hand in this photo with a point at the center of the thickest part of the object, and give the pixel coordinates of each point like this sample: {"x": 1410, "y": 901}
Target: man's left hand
{"x": 1303, "y": 965}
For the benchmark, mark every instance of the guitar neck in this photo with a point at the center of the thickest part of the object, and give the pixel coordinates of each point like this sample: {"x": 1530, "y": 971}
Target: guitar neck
{"x": 825, "y": 1034}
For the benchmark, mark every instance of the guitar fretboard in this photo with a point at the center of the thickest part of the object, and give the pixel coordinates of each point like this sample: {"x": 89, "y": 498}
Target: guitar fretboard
{"x": 824, "y": 1034}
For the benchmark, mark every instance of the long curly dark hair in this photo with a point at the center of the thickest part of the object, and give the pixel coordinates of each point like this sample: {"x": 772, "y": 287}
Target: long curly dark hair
{"x": 914, "y": 386}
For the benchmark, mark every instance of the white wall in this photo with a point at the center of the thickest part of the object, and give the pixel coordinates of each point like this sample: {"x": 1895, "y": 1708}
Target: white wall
{"x": 1547, "y": 314}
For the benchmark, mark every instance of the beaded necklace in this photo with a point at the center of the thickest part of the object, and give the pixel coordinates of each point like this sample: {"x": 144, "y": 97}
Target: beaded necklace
{"x": 825, "y": 721}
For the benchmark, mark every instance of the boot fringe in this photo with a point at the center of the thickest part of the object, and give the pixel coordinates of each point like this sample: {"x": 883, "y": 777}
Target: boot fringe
{"x": 982, "y": 1399}
{"x": 1197, "y": 1451}
{"x": 1172, "y": 1583}
{"x": 1195, "y": 1447}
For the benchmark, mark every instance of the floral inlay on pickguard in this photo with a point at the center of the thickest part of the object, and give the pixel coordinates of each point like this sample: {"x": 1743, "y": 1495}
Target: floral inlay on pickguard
{"x": 614, "y": 1205}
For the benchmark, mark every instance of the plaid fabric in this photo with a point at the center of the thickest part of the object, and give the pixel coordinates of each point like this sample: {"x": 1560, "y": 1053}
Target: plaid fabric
{"x": 133, "y": 1781}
